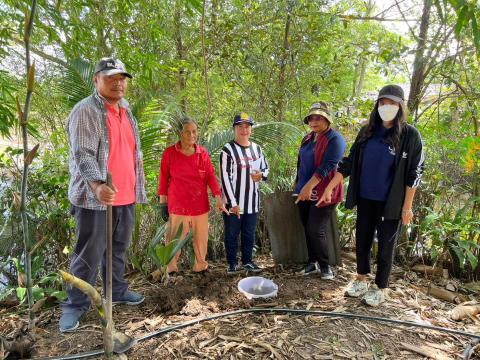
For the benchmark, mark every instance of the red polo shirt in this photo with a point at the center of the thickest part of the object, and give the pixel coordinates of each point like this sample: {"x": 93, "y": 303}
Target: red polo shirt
{"x": 121, "y": 158}
{"x": 184, "y": 179}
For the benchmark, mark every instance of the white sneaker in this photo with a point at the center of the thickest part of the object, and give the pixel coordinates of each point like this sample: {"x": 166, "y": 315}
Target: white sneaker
{"x": 374, "y": 296}
{"x": 356, "y": 288}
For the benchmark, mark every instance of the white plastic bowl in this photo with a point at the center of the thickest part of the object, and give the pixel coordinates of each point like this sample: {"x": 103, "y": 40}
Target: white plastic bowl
{"x": 255, "y": 287}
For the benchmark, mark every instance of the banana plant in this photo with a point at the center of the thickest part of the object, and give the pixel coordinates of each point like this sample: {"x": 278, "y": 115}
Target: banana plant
{"x": 162, "y": 254}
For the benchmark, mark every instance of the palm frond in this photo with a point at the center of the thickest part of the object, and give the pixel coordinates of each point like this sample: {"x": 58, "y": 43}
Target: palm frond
{"x": 275, "y": 133}
{"x": 267, "y": 135}
{"x": 214, "y": 143}
{"x": 159, "y": 126}
{"x": 77, "y": 82}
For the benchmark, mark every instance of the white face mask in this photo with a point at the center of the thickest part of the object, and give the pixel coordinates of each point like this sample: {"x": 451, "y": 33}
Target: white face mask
{"x": 388, "y": 112}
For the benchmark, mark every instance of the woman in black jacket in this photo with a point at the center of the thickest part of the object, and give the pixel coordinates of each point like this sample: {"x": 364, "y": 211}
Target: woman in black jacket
{"x": 385, "y": 165}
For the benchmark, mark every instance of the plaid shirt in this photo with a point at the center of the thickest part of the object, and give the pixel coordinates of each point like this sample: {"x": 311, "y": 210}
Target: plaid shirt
{"x": 88, "y": 140}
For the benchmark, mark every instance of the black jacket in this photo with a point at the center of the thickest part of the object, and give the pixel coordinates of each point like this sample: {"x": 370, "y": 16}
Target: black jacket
{"x": 409, "y": 165}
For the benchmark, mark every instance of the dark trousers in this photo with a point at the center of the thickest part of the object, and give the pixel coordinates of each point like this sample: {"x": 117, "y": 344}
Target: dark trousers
{"x": 314, "y": 220}
{"x": 246, "y": 225}
{"x": 90, "y": 251}
{"x": 369, "y": 219}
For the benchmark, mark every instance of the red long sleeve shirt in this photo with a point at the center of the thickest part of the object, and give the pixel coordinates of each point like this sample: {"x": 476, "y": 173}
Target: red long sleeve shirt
{"x": 184, "y": 179}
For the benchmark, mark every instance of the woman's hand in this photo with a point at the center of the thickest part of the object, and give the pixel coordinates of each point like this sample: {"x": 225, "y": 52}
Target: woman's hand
{"x": 256, "y": 175}
{"x": 326, "y": 197}
{"x": 220, "y": 205}
{"x": 235, "y": 211}
{"x": 305, "y": 194}
{"x": 407, "y": 216}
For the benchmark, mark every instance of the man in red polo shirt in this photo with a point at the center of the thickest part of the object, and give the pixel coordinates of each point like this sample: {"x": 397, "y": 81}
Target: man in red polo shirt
{"x": 103, "y": 137}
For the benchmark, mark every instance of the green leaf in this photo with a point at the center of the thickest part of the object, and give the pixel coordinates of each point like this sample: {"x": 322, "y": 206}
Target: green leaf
{"x": 475, "y": 30}
{"x": 21, "y": 293}
{"x": 459, "y": 254}
{"x": 49, "y": 279}
{"x": 461, "y": 20}
{"x": 18, "y": 266}
{"x": 60, "y": 295}
{"x": 195, "y": 5}
{"x": 179, "y": 245}
{"x": 157, "y": 238}
{"x": 472, "y": 259}
{"x": 38, "y": 293}
{"x": 163, "y": 254}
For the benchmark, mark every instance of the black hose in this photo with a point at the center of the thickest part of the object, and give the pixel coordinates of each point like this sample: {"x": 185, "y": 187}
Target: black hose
{"x": 275, "y": 311}
{"x": 467, "y": 353}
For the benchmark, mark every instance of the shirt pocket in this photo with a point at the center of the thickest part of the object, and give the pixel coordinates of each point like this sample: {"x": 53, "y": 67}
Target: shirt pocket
{"x": 202, "y": 174}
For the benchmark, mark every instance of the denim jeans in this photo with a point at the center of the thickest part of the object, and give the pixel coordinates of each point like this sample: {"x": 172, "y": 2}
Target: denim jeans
{"x": 246, "y": 225}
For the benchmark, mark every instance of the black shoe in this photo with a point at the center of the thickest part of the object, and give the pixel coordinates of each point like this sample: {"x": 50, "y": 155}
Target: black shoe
{"x": 327, "y": 273}
{"x": 252, "y": 267}
{"x": 311, "y": 268}
{"x": 233, "y": 269}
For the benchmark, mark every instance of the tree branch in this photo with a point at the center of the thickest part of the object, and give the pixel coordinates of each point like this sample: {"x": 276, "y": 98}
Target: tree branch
{"x": 43, "y": 54}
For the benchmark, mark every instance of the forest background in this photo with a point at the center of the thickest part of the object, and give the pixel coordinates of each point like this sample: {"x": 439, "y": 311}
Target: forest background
{"x": 211, "y": 59}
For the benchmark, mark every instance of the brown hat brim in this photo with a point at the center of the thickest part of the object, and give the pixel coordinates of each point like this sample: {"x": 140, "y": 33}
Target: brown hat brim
{"x": 317, "y": 112}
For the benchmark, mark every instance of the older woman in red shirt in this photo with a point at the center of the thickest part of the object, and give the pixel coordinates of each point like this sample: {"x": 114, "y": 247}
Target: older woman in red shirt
{"x": 185, "y": 173}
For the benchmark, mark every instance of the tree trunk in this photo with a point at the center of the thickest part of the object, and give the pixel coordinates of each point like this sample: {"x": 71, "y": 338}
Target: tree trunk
{"x": 361, "y": 67}
{"x": 204, "y": 125}
{"x": 102, "y": 48}
{"x": 181, "y": 74}
{"x": 418, "y": 75}
{"x": 280, "y": 110}
{"x": 360, "y": 72}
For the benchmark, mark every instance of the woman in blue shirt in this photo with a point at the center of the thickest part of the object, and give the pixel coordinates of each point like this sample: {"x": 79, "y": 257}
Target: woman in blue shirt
{"x": 319, "y": 154}
{"x": 385, "y": 165}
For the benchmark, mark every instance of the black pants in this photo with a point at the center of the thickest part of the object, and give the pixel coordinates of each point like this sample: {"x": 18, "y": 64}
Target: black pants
{"x": 369, "y": 219}
{"x": 315, "y": 220}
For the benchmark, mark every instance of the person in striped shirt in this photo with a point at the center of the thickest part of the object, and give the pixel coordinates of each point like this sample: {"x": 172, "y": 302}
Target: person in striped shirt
{"x": 242, "y": 168}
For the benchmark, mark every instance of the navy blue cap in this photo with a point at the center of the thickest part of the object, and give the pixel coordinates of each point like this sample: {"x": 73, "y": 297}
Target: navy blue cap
{"x": 242, "y": 118}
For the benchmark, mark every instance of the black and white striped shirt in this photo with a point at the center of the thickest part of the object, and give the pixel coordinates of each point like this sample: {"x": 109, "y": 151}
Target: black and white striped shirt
{"x": 236, "y": 164}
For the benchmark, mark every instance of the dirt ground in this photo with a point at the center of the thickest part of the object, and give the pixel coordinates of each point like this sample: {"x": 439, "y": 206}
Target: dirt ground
{"x": 265, "y": 336}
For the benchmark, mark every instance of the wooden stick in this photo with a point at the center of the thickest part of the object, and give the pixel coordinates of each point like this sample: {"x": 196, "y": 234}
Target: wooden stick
{"x": 108, "y": 338}
{"x": 443, "y": 294}
{"x": 425, "y": 351}
{"x": 429, "y": 270}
